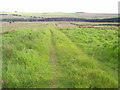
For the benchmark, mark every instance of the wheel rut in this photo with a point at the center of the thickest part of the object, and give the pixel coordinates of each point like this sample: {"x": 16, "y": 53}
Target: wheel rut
{"x": 54, "y": 82}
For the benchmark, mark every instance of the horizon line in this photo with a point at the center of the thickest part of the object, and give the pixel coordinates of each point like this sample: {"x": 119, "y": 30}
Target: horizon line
{"x": 59, "y": 12}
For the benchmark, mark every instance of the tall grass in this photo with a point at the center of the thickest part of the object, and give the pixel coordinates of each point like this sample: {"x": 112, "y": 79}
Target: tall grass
{"x": 26, "y": 59}
{"x": 78, "y": 70}
{"x": 84, "y": 58}
{"x": 99, "y": 44}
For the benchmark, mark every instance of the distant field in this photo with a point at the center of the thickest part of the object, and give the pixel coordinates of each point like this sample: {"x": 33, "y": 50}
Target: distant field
{"x": 78, "y": 15}
{"x": 37, "y": 14}
{"x": 59, "y": 55}
{"x": 33, "y": 25}
{"x": 58, "y": 17}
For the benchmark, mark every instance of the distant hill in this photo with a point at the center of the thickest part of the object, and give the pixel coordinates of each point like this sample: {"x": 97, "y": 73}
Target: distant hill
{"x": 78, "y": 16}
{"x": 57, "y": 14}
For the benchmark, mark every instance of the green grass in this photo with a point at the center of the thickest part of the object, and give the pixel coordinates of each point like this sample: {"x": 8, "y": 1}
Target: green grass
{"x": 41, "y": 55}
{"x": 78, "y": 69}
{"x": 99, "y": 44}
{"x": 26, "y": 59}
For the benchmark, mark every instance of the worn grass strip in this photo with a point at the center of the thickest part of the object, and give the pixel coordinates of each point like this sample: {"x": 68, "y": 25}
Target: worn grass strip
{"x": 78, "y": 70}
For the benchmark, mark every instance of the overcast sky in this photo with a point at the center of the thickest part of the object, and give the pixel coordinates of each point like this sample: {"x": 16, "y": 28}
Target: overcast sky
{"x": 39, "y": 6}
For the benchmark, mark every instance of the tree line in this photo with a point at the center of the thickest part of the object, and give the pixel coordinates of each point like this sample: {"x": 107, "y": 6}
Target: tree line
{"x": 63, "y": 19}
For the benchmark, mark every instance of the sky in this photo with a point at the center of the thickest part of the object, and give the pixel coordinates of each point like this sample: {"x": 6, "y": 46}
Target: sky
{"x": 41, "y": 6}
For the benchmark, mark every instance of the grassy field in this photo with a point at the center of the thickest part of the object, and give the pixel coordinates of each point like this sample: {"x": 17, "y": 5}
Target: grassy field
{"x": 59, "y": 55}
